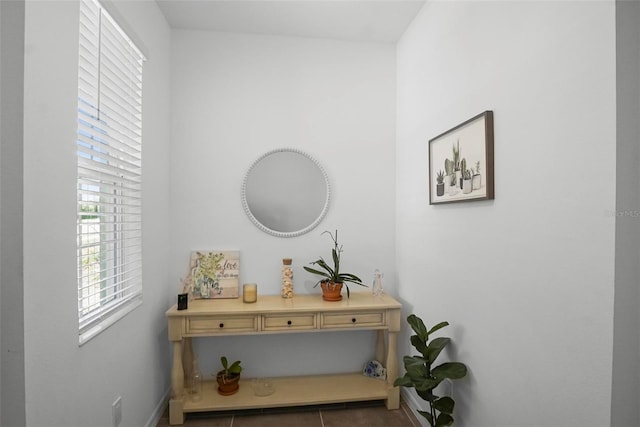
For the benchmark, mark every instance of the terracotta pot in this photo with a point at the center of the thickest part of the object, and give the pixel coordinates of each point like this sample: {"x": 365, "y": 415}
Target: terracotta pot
{"x": 331, "y": 291}
{"x": 228, "y": 384}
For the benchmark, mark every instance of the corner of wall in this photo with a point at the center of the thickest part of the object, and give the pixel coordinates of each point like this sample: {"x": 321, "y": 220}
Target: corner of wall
{"x": 625, "y": 392}
{"x": 12, "y": 370}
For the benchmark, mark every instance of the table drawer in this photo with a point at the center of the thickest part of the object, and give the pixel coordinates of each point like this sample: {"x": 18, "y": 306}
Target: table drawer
{"x": 352, "y": 320}
{"x": 221, "y": 325}
{"x": 285, "y": 323}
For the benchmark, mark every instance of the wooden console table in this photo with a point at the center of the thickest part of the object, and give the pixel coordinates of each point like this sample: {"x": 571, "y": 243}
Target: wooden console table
{"x": 275, "y": 315}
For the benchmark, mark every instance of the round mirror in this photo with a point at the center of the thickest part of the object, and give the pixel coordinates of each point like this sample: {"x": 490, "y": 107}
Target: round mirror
{"x": 285, "y": 192}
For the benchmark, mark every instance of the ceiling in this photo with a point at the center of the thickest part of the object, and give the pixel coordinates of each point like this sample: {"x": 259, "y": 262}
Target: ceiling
{"x": 356, "y": 20}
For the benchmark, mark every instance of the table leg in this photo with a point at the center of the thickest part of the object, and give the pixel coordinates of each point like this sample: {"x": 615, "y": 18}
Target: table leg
{"x": 176, "y": 414}
{"x": 187, "y": 359}
{"x": 380, "y": 347}
{"x": 393, "y": 399}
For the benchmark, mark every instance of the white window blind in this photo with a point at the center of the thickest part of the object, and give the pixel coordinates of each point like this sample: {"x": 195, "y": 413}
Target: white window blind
{"x": 109, "y": 153}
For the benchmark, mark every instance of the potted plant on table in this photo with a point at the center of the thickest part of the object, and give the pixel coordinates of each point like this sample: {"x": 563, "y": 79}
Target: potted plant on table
{"x": 228, "y": 378}
{"x": 332, "y": 279}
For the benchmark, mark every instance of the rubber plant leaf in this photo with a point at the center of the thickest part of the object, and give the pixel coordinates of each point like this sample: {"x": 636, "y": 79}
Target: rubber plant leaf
{"x": 403, "y": 381}
{"x": 427, "y": 416}
{"x": 438, "y": 326}
{"x": 418, "y": 326}
{"x": 419, "y": 344}
{"x": 451, "y": 370}
{"x": 435, "y": 347}
{"x": 412, "y": 362}
{"x": 416, "y": 371}
{"x": 427, "y": 384}
{"x": 443, "y": 420}
{"x": 426, "y": 395}
{"x": 444, "y": 404}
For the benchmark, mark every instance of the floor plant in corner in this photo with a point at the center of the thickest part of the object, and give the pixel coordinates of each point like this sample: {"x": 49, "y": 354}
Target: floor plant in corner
{"x": 424, "y": 377}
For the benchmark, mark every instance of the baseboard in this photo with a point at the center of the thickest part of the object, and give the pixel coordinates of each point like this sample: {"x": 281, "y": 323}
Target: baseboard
{"x": 159, "y": 409}
{"x": 413, "y": 404}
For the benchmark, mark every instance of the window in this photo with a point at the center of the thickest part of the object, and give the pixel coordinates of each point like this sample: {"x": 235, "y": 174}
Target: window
{"x": 109, "y": 157}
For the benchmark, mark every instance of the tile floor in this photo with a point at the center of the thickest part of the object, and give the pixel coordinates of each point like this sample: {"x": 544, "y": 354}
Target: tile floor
{"x": 357, "y": 414}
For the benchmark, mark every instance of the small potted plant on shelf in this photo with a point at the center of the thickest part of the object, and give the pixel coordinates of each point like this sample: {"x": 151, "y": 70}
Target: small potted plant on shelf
{"x": 332, "y": 279}
{"x": 228, "y": 378}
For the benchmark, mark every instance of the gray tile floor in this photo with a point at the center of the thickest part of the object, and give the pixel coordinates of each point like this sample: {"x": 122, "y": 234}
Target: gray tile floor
{"x": 359, "y": 414}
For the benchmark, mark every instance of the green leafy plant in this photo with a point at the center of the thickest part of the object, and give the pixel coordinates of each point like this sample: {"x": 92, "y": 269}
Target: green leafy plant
{"x": 333, "y": 274}
{"x": 424, "y": 377}
{"x": 440, "y": 177}
{"x": 229, "y": 371}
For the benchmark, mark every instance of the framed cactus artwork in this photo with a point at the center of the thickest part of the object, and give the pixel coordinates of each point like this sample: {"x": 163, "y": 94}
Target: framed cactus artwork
{"x": 461, "y": 162}
{"x": 212, "y": 274}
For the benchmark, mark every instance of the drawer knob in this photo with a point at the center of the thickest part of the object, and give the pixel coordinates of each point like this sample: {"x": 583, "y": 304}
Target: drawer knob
{"x": 289, "y": 322}
{"x": 353, "y": 320}
{"x": 222, "y": 325}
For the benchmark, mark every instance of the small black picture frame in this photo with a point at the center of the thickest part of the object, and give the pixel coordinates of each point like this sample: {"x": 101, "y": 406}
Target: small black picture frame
{"x": 183, "y": 301}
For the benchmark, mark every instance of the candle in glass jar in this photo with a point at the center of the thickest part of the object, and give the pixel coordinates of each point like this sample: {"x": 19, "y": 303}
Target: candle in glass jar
{"x": 249, "y": 292}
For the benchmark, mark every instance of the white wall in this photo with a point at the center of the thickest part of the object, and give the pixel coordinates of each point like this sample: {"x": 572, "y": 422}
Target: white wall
{"x": 1, "y": 227}
{"x": 235, "y": 97}
{"x": 525, "y": 280}
{"x": 67, "y": 385}
{"x": 626, "y": 342}
{"x": 12, "y": 405}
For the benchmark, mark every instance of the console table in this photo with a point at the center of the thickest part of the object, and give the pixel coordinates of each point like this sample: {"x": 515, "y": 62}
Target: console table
{"x": 272, "y": 314}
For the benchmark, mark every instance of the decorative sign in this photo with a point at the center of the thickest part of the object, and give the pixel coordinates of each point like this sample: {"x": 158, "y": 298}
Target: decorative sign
{"x": 213, "y": 274}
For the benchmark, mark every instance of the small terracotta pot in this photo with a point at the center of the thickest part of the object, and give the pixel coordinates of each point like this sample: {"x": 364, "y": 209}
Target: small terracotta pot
{"x": 228, "y": 384}
{"x": 331, "y": 291}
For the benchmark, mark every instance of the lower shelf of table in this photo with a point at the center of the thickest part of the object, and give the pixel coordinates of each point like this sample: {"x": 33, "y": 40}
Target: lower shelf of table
{"x": 292, "y": 391}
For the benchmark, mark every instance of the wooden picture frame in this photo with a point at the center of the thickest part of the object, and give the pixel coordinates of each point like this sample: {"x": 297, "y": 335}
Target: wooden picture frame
{"x": 461, "y": 162}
